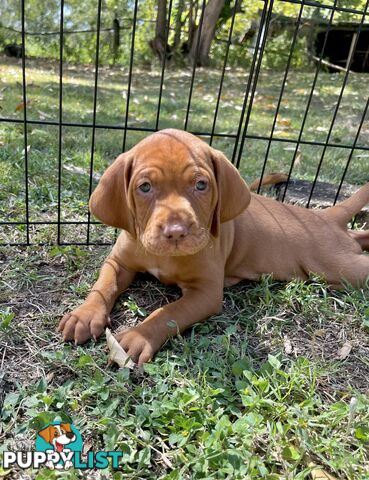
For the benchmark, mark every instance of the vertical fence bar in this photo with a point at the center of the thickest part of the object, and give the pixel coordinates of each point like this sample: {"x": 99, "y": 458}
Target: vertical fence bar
{"x": 307, "y": 108}
{"x": 24, "y": 91}
{"x": 351, "y": 151}
{"x": 163, "y": 66}
{"x": 60, "y": 114}
{"x": 130, "y": 75}
{"x": 194, "y": 66}
{"x": 255, "y": 57}
{"x": 253, "y": 80}
{"x": 229, "y": 41}
{"x": 94, "y": 113}
{"x": 124, "y": 141}
{"x": 293, "y": 43}
{"x": 337, "y": 105}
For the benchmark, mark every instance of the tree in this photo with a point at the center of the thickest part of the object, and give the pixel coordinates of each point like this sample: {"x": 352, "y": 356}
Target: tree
{"x": 178, "y": 24}
{"x": 196, "y": 48}
{"x": 200, "y": 47}
{"x": 159, "y": 43}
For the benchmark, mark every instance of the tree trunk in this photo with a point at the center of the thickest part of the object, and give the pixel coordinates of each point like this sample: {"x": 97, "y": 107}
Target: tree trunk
{"x": 210, "y": 18}
{"x": 116, "y": 39}
{"x": 191, "y": 26}
{"x": 178, "y": 25}
{"x": 159, "y": 44}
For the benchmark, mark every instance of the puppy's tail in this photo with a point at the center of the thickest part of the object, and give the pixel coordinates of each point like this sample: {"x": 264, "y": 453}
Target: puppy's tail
{"x": 269, "y": 179}
{"x": 344, "y": 211}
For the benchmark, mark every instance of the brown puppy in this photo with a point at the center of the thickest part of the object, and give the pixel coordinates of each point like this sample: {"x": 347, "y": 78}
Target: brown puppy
{"x": 182, "y": 207}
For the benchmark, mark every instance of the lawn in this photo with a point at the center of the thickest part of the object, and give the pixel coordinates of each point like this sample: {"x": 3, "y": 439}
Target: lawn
{"x": 276, "y": 387}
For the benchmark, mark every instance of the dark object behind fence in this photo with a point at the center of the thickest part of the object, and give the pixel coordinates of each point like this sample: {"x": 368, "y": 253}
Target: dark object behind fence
{"x": 13, "y": 50}
{"x": 239, "y": 136}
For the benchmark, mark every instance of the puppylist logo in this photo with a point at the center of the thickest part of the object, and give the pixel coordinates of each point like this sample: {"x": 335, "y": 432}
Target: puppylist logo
{"x": 59, "y": 446}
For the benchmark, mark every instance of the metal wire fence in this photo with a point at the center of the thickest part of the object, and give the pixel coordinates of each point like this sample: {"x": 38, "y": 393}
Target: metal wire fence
{"x": 23, "y": 228}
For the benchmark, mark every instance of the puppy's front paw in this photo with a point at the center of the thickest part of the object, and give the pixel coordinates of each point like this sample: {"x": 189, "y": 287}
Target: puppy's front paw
{"x": 83, "y": 323}
{"x": 140, "y": 343}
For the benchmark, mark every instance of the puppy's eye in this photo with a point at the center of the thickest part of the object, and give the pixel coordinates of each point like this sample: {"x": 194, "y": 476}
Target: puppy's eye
{"x": 201, "y": 185}
{"x": 145, "y": 187}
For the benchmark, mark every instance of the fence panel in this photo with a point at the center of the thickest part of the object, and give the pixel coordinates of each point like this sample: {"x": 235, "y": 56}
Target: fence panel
{"x": 98, "y": 112}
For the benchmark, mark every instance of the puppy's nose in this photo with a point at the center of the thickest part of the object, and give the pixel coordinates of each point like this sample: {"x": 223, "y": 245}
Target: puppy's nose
{"x": 175, "y": 231}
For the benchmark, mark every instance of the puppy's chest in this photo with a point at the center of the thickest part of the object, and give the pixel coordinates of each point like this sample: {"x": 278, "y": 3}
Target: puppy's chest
{"x": 163, "y": 274}
{"x": 167, "y": 273}
{"x": 155, "y": 271}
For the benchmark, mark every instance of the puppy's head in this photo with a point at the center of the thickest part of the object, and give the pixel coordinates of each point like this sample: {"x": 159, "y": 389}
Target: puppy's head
{"x": 171, "y": 191}
{"x": 58, "y": 435}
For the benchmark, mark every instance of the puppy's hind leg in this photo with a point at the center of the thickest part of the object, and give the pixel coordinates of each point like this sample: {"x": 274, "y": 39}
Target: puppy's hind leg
{"x": 362, "y": 238}
{"x": 354, "y": 271}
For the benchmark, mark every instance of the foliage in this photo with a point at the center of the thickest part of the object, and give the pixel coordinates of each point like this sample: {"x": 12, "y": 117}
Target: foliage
{"x": 82, "y": 16}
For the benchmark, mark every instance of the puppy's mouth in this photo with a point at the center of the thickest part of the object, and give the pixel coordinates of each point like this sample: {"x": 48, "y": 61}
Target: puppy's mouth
{"x": 190, "y": 245}
{"x": 59, "y": 447}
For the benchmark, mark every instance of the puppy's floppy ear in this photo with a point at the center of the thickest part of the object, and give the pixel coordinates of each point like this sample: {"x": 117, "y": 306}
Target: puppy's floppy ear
{"x": 109, "y": 201}
{"x": 233, "y": 193}
{"x": 47, "y": 433}
{"x": 66, "y": 427}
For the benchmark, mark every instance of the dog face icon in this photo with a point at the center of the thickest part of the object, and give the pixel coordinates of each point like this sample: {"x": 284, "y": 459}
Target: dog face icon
{"x": 58, "y": 435}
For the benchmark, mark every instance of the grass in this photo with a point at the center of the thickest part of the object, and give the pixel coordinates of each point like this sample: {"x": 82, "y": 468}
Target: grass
{"x": 262, "y": 391}
{"x": 257, "y": 392}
